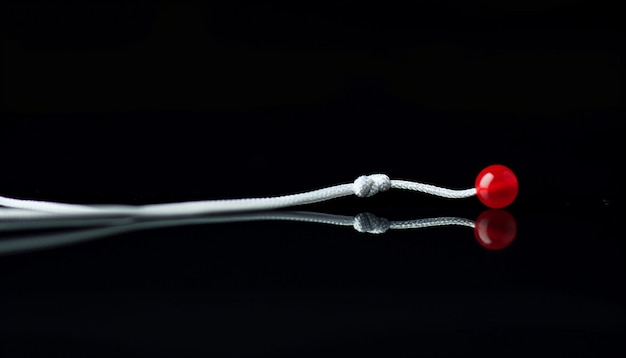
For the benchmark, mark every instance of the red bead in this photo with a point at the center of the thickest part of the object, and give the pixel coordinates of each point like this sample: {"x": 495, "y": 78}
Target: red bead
{"x": 496, "y": 186}
{"x": 495, "y": 229}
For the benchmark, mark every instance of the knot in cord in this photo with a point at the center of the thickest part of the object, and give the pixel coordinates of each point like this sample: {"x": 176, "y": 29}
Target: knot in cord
{"x": 370, "y": 223}
{"x": 369, "y": 185}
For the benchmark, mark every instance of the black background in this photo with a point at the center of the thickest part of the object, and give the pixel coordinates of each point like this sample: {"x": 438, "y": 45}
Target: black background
{"x": 142, "y": 102}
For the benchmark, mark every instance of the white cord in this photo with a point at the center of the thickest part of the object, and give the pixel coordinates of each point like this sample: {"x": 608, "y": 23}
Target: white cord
{"x": 363, "y": 186}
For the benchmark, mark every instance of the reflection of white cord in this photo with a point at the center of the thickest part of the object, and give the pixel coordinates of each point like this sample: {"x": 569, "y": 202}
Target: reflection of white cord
{"x": 363, "y": 186}
{"x": 364, "y": 222}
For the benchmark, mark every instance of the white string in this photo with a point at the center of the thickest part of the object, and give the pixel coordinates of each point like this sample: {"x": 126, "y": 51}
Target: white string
{"x": 364, "y": 222}
{"x": 363, "y": 186}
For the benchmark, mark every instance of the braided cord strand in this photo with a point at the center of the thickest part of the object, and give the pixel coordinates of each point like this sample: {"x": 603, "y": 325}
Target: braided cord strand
{"x": 433, "y": 190}
{"x": 363, "y": 186}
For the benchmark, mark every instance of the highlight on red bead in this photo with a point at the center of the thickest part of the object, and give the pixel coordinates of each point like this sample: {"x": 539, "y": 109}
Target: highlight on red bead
{"x": 495, "y": 229}
{"x": 496, "y": 186}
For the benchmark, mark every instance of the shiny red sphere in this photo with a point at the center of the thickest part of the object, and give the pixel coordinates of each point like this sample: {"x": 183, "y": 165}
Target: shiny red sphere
{"x": 495, "y": 229}
{"x": 496, "y": 186}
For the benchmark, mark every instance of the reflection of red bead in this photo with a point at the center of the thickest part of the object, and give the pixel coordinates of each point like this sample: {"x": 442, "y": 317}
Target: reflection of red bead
{"x": 495, "y": 229}
{"x": 496, "y": 186}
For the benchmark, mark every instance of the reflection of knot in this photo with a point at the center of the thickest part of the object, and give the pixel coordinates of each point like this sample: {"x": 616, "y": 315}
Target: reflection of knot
{"x": 369, "y": 185}
{"x": 370, "y": 223}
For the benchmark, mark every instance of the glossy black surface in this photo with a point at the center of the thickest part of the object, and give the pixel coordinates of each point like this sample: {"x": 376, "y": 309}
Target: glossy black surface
{"x": 142, "y": 102}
